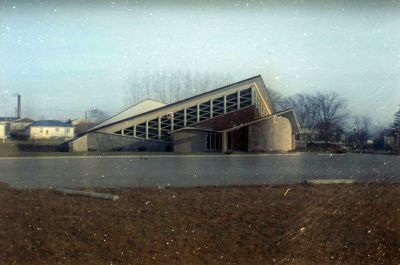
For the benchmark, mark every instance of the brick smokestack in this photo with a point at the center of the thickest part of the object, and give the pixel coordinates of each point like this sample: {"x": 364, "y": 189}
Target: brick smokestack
{"x": 19, "y": 107}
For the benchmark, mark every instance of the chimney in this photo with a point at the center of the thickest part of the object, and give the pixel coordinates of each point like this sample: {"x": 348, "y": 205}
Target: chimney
{"x": 19, "y": 107}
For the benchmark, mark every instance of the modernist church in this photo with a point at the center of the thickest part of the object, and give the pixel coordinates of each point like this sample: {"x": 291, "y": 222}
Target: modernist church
{"x": 237, "y": 117}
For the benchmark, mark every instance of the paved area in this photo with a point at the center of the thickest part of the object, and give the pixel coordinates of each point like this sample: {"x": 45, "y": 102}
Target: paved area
{"x": 175, "y": 170}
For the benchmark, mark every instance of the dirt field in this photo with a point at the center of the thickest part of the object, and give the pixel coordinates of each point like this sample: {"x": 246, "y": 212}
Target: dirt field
{"x": 301, "y": 224}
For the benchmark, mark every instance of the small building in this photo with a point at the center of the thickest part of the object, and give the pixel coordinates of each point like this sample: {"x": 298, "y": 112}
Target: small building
{"x": 6, "y": 122}
{"x": 77, "y": 121}
{"x": 50, "y": 129}
{"x": 20, "y": 124}
{"x": 3, "y": 135}
{"x": 237, "y": 117}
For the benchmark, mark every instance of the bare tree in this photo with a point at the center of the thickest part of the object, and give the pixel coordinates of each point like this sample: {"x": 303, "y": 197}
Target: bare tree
{"x": 321, "y": 112}
{"x": 277, "y": 99}
{"x": 172, "y": 86}
{"x": 96, "y": 115}
{"x": 361, "y": 131}
{"x": 396, "y": 122}
{"x": 330, "y": 115}
{"x": 305, "y": 107}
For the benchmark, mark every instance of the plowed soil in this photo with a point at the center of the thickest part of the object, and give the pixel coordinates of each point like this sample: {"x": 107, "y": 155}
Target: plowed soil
{"x": 298, "y": 224}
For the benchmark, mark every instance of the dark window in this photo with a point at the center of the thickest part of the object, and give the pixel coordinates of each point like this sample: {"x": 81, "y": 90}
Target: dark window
{"x": 153, "y": 129}
{"x": 127, "y": 131}
{"x": 218, "y": 106}
{"x": 178, "y": 120}
{"x": 205, "y": 111}
{"x": 213, "y": 141}
{"x": 245, "y": 98}
{"x": 141, "y": 130}
{"x": 191, "y": 115}
{"x": 166, "y": 128}
{"x": 231, "y": 102}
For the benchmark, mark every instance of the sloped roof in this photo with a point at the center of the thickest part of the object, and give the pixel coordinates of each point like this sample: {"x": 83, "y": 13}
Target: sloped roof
{"x": 141, "y": 107}
{"x": 49, "y": 123}
{"x": 255, "y": 79}
{"x": 24, "y": 120}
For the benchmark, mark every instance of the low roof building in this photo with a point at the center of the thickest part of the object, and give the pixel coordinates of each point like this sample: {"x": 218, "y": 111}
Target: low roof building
{"x": 50, "y": 129}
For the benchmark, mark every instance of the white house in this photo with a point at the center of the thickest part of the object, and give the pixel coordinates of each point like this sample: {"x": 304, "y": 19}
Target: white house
{"x": 5, "y": 126}
{"x": 2, "y": 132}
{"x": 50, "y": 129}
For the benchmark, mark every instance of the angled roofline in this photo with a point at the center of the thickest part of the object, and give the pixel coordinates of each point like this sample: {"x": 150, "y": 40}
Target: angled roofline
{"x": 288, "y": 113}
{"x": 254, "y": 78}
{"x": 194, "y": 128}
{"x": 99, "y": 127}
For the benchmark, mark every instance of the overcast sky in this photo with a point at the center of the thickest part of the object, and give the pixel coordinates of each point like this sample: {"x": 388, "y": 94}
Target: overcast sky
{"x": 65, "y": 58}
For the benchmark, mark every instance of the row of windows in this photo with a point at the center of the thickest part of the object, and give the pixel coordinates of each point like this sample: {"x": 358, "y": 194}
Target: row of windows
{"x": 67, "y": 130}
{"x": 259, "y": 105}
{"x": 160, "y": 129}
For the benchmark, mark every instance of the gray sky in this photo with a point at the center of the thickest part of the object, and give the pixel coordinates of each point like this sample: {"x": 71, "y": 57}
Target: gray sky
{"x": 64, "y": 58}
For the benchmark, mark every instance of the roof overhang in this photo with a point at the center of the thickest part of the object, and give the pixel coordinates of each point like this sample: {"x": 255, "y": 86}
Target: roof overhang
{"x": 289, "y": 114}
{"x": 194, "y": 129}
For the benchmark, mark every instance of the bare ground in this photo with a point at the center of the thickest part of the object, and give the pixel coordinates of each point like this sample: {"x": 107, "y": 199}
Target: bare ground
{"x": 298, "y": 224}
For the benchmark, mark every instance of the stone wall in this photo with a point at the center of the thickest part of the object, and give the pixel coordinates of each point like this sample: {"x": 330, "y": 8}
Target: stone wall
{"x": 97, "y": 141}
{"x": 187, "y": 141}
{"x": 78, "y": 145}
{"x": 271, "y": 135}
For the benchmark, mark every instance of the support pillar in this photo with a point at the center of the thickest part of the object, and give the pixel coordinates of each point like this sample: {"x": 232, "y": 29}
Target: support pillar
{"x": 184, "y": 117}
{"x": 159, "y": 128}
{"x": 224, "y": 142}
{"x": 224, "y": 104}
{"x": 147, "y": 130}
{"x": 198, "y": 112}
{"x": 238, "y": 100}
{"x": 211, "y": 108}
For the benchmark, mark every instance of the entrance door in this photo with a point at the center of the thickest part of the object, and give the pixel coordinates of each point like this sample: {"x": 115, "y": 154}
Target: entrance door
{"x": 229, "y": 140}
{"x": 238, "y": 140}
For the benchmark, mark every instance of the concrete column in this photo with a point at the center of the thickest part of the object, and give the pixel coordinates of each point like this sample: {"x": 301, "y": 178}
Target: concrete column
{"x": 224, "y": 142}
{"x": 238, "y": 100}
{"x": 147, "y": 129}
{"x": 172, "y": 123}
{"x": 224, "y": 104}
{"x": 184, "y": 117}
{"x": 159, "y": 128}
{"x": 134, "y": 130}
{"x": 198, "y": 112}
{"x": 211, "y": 108}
